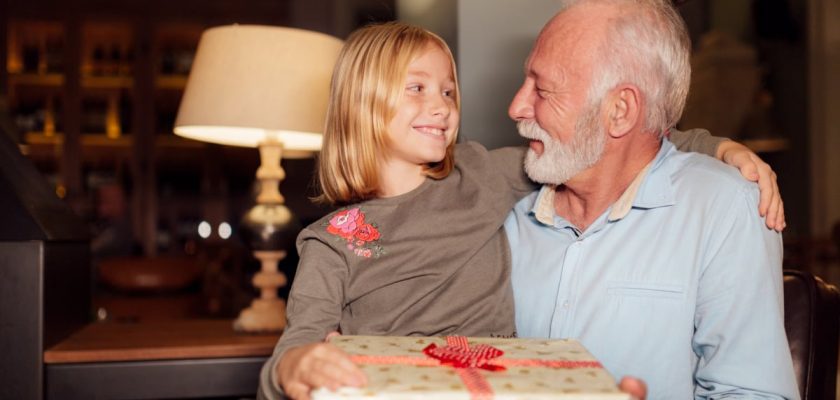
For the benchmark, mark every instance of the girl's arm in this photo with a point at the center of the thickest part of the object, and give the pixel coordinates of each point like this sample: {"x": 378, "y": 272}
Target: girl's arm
{"x": 508, "y": 162}
{"x": 301, "y": 360}
{"x": 739, "y": 156}
{"x": 696, "y": 141}
{"x": 501, "y": 168}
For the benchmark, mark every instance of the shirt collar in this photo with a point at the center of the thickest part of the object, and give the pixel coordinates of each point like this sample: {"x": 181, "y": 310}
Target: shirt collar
{"x": 543, "y": 209}
{"x": 651, "y": 188}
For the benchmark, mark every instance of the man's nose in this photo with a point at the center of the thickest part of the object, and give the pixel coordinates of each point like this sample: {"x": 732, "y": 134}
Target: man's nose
{"x": 522, "y": 105}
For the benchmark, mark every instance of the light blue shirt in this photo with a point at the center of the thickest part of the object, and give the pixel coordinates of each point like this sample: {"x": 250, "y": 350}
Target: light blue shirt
{"x": 678, "y": 283}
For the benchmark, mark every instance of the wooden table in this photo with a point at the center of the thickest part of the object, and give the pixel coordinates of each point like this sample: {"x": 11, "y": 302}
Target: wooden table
{"x": 156, "y": 360}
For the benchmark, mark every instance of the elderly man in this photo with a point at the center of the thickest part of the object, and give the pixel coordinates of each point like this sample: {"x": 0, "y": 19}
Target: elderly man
{"x": 655, "y": 259}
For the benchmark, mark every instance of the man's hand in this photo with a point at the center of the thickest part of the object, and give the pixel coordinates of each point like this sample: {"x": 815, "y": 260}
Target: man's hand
{"x": 304, "y": 368}
{"x": 634, "y": 387}
{"x": 753, "y": 168}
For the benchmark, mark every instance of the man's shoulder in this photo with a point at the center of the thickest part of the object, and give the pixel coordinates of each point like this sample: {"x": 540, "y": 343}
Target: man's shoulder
{"x": 699, "y": 170}
{"x": 698, "y": 178}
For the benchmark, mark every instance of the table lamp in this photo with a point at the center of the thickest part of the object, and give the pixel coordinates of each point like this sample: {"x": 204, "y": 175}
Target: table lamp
{"x": 266, "y": 87}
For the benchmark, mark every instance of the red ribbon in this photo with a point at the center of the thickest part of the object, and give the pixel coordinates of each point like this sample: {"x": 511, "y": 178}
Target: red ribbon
{"x": 467, "y": 361}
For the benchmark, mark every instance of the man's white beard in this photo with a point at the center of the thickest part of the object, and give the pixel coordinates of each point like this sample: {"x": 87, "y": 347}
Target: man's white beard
{"x": 560, "y": 161}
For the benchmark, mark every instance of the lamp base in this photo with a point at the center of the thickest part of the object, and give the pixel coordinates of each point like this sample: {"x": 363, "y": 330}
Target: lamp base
{"x": 268, "y": 312}
{"x": 264, "y": 315}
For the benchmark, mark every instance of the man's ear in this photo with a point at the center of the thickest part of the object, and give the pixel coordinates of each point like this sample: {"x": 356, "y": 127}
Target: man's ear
{"x": 624, "y": 110}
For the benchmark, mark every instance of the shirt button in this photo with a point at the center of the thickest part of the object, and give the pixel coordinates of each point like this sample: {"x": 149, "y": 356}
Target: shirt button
{"x": 565, "y": 304}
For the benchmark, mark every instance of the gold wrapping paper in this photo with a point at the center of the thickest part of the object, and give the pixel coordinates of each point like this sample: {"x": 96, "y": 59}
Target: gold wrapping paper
{"x": 404, "y": 381}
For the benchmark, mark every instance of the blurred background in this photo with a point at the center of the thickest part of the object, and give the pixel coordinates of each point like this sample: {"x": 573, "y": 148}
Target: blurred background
{"x": 90, "y": 90}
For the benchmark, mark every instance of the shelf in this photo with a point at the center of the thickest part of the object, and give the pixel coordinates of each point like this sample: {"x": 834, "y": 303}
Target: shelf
{"x": 88, "y": 140}
{"x": 100, "y": 151}
{"x": 107, "y": 82}
{"x": 177, "y": 82}
{"x": 32, "y": 79}
{"x": 101, "y": 140}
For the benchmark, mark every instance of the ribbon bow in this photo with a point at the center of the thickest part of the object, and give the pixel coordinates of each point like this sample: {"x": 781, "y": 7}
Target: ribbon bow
{"x": 459, "y": 354}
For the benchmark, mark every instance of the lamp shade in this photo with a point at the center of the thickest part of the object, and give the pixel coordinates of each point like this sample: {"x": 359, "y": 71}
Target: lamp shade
{"x": 249, "y": 83}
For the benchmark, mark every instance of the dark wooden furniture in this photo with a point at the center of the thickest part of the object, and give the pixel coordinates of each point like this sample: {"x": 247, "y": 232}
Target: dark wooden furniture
{"x": 44, "y": 273}
{"x": 156, "y": 360}
{"x": 812, "y": 324}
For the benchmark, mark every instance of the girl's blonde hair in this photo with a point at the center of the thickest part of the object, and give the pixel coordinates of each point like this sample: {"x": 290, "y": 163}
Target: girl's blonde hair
{"x": 367, "y": 84}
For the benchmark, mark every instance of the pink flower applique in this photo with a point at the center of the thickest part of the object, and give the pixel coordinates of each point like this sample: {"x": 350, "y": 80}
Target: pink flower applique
{"x": 361, "y": 238}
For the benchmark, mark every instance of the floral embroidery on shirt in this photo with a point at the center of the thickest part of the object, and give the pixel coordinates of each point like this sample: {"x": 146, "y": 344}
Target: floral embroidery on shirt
{"x": 361, "y": 237}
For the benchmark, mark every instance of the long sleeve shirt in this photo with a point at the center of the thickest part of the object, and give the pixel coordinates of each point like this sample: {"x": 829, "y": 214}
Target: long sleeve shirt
{"x": 678, "y": 283}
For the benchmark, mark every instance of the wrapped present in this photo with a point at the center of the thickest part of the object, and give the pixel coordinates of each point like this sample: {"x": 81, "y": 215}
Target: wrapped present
{"x": 457, "y": 367}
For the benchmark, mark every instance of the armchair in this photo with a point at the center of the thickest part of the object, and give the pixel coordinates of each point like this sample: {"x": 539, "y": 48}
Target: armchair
{"x": 812, "y": 323}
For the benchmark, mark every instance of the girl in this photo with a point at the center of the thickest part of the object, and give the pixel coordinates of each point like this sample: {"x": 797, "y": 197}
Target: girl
{"x": 418, "y": 247}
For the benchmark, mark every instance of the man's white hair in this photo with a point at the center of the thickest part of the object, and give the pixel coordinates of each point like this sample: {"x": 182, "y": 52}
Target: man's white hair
{"x": 647, "y": 46}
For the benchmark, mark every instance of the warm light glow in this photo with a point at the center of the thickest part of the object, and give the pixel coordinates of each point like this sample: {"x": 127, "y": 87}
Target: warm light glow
{"x": 204, "y": 229}
{"x": 225, "y": 230}
{"x": 101, "y": 314}
{"x": 250, "y": 83}
{"x": 250, "y": 137}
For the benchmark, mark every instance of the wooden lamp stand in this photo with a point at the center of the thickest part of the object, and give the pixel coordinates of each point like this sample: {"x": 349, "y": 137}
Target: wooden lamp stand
{"x": 271, "y": 227}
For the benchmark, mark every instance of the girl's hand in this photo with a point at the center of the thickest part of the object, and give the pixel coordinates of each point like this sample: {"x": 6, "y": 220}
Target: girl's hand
{"x": 753, "y": 168}
{"x": 304, "y": 368}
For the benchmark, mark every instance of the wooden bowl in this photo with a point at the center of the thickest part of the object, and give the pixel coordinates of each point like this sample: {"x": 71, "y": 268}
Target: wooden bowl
{"x": 140, "y": 274}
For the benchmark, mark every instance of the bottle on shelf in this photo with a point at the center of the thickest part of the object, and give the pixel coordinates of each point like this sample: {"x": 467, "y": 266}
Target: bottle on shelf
{"x": 112, "y": 118}
{"x": 115, "y": 57}
{"x": 99, "y": 61}
{"x": 31, "y": 57}
{"x": 54, "y": 55}
{"x": 49, "y": 117}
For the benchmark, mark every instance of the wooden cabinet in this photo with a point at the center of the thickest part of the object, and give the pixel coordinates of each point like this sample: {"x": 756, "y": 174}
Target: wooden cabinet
{"x": 94, "y": 100}
{"x": 103, "y": 86}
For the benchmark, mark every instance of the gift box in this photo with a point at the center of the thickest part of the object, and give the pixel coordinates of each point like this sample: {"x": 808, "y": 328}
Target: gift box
{"x": 457, "y": 367}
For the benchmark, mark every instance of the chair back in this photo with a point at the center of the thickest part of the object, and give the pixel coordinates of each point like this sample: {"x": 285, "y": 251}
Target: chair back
{"x": 812, "y": 323}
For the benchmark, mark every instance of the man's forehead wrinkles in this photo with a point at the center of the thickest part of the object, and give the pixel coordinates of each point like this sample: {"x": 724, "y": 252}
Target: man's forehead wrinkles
{"x": 548, "y": 68}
